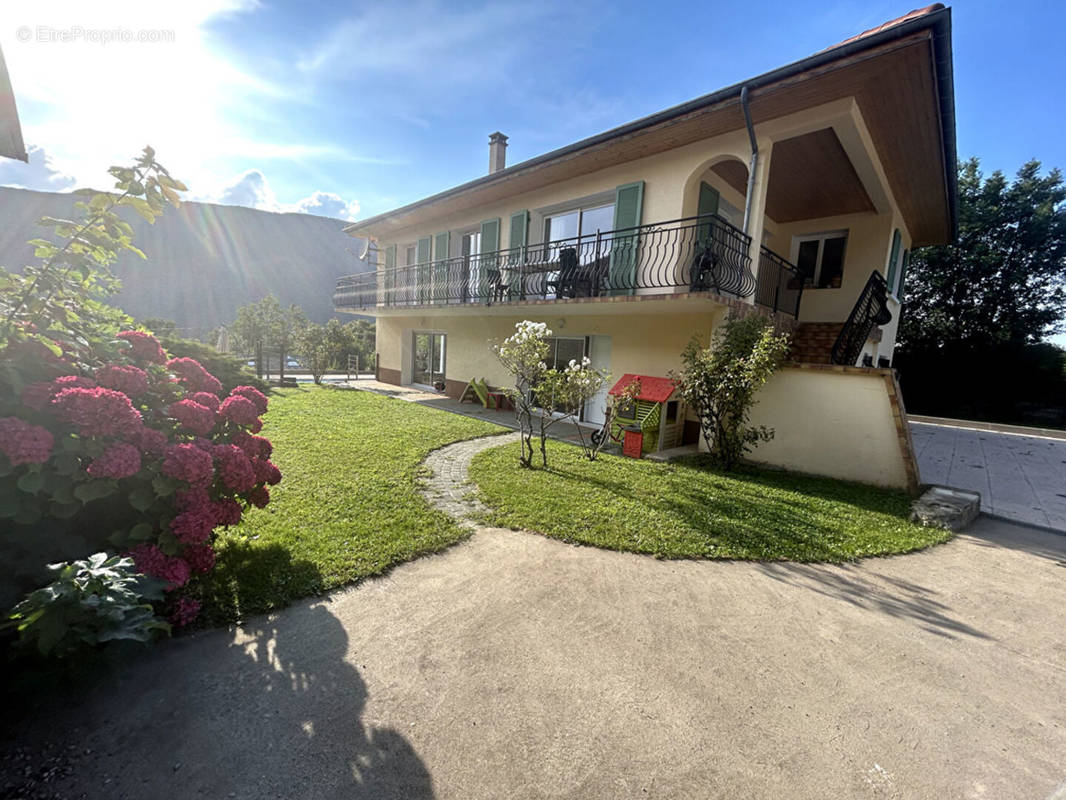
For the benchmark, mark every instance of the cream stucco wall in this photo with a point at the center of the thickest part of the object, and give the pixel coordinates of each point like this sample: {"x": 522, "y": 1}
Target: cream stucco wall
{"x": 647, "y": 344}
{"x": 838, "y": 424}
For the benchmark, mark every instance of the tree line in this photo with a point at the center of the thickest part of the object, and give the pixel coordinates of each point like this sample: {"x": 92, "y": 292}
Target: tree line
{"x": 267, "y": 328}
{"x": 973, "y": 336}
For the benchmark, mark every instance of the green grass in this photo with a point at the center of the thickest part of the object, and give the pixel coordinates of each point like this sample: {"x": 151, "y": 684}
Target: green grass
{"x": 347, "y": 506}
{"x": 686, "y": 509}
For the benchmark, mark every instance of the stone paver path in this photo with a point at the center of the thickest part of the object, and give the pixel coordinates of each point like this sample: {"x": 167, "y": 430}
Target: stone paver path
{"x": 447, "y": 488}
{"x": 1021, "y": 478}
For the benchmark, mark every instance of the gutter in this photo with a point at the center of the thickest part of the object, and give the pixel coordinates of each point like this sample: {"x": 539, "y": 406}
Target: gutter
{"x": 754, "y": 157}
{"x": 938, "y": 21}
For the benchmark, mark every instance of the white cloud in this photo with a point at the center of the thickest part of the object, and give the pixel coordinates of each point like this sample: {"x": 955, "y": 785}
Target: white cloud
{"x": 252, "y": 189}
{"x": 40, "y": 173}
{"x": 328, "y": 204}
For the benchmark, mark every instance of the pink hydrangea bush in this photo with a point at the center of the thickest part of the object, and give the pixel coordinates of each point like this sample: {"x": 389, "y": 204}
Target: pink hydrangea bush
{"x": 142, "y": 449}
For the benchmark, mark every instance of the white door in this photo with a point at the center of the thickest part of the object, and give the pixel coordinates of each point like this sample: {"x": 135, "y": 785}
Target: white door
{"x": 600, "y": 356}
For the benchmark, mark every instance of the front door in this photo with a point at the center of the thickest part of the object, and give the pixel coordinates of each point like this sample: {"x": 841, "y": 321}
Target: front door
{"x": 428, "y": 358}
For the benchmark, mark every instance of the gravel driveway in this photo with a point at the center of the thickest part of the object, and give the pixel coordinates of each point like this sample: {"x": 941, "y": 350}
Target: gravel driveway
{"x": 516, "y": 666}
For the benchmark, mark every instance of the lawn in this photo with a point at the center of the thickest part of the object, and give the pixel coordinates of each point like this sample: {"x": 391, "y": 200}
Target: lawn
{"x": 347, "y": 507}
{"x": 685, "y": 509}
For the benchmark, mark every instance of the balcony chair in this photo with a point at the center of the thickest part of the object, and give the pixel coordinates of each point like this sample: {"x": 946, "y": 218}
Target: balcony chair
{"x": 572, "y": 280}
{"x": 704, "y": 268}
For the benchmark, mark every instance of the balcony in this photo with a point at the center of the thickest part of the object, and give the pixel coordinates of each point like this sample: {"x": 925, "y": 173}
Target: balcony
{"x": 695, "y": 254}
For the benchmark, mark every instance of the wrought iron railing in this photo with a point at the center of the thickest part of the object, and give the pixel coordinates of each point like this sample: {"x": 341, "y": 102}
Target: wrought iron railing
{"x": 780, "y": 284}
{"x": 696, "y": 254}
{"x": 869, "y": 310}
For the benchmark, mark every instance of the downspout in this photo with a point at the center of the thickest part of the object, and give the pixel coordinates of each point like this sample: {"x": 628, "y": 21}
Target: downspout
{"x": 754, "y": 155}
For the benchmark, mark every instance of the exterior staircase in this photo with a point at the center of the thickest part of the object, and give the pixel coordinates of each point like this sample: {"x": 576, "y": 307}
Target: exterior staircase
{"x": 812, "y": 343}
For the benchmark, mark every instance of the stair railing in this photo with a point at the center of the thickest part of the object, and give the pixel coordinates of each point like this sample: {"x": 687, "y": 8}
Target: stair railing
{"x": 870, "y": 309}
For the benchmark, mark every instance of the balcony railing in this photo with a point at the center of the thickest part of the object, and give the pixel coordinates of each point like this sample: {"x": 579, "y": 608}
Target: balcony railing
{"x": 780, "y": 284}
{"x": 695, "y": 254}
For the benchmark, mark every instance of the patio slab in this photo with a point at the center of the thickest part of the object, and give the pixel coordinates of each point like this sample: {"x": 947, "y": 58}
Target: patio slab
{"x": 1020, "y": 477}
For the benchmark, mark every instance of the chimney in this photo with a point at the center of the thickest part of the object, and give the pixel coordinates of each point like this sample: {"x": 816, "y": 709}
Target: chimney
{"x": 497, "y": 152}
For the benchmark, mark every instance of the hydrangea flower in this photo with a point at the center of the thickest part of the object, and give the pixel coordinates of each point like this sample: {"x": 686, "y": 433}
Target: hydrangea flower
{"x": 193, "y": 375}
{"x": 266, "y": 472}
{"x": 149, "y": 441}
{"x": 25, "y": 443}
{"x": 150, "y": 560}
{"x": 234, "y": 468}
{"x": 143, "y": 347}
{"x": 253, "y": 394}
{"x": 188, "y": 463}
{"x": 195, "y": 525}
{"x": 97, "y": 412}
{"x": 128, "y": 380}
{"x": 227, "y": 511}
{"x": 239, "y": 409}
{"x": 185, "y": 611}
{"x": 192, "y": 416}
{"x": 119, "y": 460}
{"x": 199, "y": 557}
{"x": 259, "y": 497}
{"x": 253, "y": 446}
{"x": 205, "y": 399}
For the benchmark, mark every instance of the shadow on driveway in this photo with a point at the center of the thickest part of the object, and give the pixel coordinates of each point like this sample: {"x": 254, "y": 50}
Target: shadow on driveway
{"x": 271, "y": 710}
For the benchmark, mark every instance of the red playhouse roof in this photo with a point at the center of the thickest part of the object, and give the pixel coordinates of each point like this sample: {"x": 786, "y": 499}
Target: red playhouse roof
{"x": 657, "y": 390}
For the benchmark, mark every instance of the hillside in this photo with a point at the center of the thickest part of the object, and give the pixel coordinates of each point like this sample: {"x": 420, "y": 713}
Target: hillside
{"x": 205, "y": 260}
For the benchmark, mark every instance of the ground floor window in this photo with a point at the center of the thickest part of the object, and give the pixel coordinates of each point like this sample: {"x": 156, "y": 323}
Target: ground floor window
{"x": 428, "y": 358}
{"x": 820, "y": 258}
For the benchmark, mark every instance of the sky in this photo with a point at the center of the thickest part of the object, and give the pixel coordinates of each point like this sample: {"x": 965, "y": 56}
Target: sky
{"x": 351, "y": 109}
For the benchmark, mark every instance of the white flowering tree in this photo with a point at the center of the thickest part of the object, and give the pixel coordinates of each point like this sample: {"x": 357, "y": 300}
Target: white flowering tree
{"x": 543, "y": 396}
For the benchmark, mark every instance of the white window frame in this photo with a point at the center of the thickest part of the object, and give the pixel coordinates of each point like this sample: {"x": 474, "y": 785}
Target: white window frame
{"x": 821, "y": 239}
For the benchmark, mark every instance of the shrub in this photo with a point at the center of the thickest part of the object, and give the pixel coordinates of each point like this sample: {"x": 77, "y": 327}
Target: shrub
{"x": 86, "y": 468}
{"x": 107, "y": 444}
{"x": 229, "y": 371}
{"x": 720, "y": 382}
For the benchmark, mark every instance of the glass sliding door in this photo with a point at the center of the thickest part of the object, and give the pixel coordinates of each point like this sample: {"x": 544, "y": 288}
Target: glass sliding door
{"x": 428, "y": 358}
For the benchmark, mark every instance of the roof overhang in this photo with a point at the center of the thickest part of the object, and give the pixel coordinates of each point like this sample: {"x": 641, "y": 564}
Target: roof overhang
{"x": 900, "y": 77}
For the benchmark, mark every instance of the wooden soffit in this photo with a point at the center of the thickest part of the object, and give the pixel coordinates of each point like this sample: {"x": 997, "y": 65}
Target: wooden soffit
{"x": 893, "y": 83}
{"x": 811, "y": 176}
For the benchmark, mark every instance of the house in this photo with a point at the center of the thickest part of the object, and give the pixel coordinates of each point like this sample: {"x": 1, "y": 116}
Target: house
{"x": 797, "y": 194}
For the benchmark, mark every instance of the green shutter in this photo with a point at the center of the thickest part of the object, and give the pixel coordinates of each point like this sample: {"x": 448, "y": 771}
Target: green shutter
{"x": 892, "y": 259}
{"x": 519, "y": 229}
{"x": 903, "y": 274}
{"x": 628, "y": 206}
{"x": 390, "y": 273}
{"x": 708, "y": 204}
{"x": 489, "y": 269}
{"x": 424, "y": 274}
{"x": 441, "y": 244}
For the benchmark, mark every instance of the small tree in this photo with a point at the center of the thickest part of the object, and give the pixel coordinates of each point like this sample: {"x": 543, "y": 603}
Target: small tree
{"x": 313, "y": 346}
{"x": 720, "y": 383}
{"x": 524, "y": 354}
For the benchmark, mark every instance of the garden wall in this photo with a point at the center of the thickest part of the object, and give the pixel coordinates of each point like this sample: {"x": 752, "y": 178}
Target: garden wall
{"x": 842, "y": 422}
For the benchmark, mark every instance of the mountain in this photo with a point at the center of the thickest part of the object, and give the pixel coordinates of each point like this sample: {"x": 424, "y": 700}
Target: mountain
{"x": 204, "y": 260}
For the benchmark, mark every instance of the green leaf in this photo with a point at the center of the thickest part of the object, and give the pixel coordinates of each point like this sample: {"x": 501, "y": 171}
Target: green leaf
{"x": 63, "y": 510}
{"x": 31, "y": 482}
{"x": 142, "y": 531}
{"x": 142, "y": 498}
{"x": 93, "y": 490}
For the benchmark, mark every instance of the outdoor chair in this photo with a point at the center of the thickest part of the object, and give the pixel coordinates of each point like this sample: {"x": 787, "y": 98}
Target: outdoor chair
{"x": 704, "y": 265}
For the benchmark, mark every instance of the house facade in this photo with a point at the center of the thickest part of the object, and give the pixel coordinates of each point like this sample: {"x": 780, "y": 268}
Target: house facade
{"x": 798, "y": 194}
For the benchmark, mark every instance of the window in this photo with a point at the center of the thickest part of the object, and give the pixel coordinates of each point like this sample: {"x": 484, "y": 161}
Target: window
{"x": 411, "y": 254}
{"x": 561, "y": 351}
{"x": 577, "y": 223}
{"x": 671, "y": 412}
{"x": 820, "y": 258}
{"x": 428, "y": 358}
